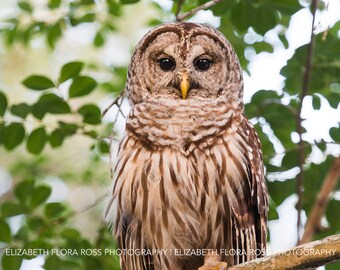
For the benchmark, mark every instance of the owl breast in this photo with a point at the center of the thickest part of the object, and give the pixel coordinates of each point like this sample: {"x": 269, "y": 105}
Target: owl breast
{"x": 177, "y": 193}
{"x": 179, "y": 124}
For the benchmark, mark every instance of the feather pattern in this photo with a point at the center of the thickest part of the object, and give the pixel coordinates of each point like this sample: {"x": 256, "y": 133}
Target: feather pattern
{"x": 189, "y": 190}
{"x": 189, "y": 174}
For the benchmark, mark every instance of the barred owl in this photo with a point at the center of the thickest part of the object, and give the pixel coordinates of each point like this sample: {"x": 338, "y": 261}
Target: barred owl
{"x": 189, "y": 183}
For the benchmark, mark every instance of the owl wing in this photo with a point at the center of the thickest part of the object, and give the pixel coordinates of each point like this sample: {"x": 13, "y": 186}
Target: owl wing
{"x": 245, "y": 190}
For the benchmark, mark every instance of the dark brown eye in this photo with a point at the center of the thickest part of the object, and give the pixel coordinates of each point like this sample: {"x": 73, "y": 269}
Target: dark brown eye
{"x": 202, "y": 63}
{"x": 167, "y": 64}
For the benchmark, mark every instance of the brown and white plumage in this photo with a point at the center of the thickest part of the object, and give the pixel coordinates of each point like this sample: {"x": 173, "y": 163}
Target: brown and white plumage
{"x": 189, "y": 173}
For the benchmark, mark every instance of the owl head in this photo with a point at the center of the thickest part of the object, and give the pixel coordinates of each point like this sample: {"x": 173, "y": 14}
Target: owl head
{"x": 185, "y": 61}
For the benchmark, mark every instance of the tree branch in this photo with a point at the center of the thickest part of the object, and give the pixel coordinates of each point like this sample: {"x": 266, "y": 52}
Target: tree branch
{"x": 118, "y": 102}
{"x": 305, "y": 256}
{"x": 299, "y": 129}
{"x": 179, "y": 7}
{"x": 318, "y": 210}
{"x": 180, "y": 18}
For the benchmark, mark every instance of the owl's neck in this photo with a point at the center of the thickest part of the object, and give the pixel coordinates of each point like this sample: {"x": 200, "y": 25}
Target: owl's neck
{"x": 181, "y": 124}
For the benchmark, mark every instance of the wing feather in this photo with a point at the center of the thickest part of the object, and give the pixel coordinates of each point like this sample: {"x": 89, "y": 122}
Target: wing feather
{"x": 246, "y": 190}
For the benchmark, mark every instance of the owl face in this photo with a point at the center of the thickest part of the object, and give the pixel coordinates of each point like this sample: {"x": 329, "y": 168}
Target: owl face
{"x": 184, "y": 61}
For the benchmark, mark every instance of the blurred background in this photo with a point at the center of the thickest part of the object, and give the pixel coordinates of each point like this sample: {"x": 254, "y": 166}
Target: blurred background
{"x": 64, "y": 62}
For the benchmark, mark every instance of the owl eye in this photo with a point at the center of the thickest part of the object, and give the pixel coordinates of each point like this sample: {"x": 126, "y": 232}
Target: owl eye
{"x": 167, "y": 64}
{"x": 202, "y": 63}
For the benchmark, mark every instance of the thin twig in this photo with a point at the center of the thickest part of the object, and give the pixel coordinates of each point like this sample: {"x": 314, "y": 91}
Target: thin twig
{"x": 119, "y": 104}
{"x": 115, "y": 102}
{"x": 178, "y": 9}
{"x": 319, "y": 207}
{"x": 110, "y": 155}
{"x": 5, "y": 247}
{"x": 299, "y": 129}
{"x": 192, "y": 12}
{"x": 89, "y": 207}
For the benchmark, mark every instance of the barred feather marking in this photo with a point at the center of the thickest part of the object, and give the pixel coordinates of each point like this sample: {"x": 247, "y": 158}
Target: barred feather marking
{"x": 193, "y": 178}
{"x": 189, "y": 172}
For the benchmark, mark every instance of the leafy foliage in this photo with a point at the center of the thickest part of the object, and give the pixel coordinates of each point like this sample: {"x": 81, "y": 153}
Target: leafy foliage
{"x": 59, "y": 109}
{"x": 37, "y": 233}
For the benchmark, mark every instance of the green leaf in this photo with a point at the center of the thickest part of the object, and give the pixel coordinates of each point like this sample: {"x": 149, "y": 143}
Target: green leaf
{"x": 265, "y": 20}
{"x": 91, "y": 114}
{"x": 24, "y": 5}
{"x": 99, "y": 39}
{"x": 23, "y": 188}
{"x": 10, "y": 209}
{"x": 124, "y": 2}
{"x": 114, "y": 7}
{"x": 267, "y": 145}
{"x": 68, "y": 128}
{"x": 36, "y": 140}
{"x": 316, "y": 102}
{"x": 22, "y": 234}
{"x": 288, "y": 7}
{"x": 87, "y": 2}
{"x": 49, "y": 103}
{"x": 2, "y": 131}
{"x": 55, "y": 263}
{"x": 56, "y": 138}
{"x": 53, "y": 4}
{"x": 241, "y": 11}
{"x": 39, "y": 195}
{"x": 262, "y": 47}
{"x": 260, "y": 96}
{"x": 82, "y": 86}
{"x": 284, "y": 40}
{"x": 54, "y": 210}
{"x": 236, "y": 38}
{"x": 332, "y": 218}
{"x": 223, "y": 8}
{"x": 332, "y": 266}
{"x": 39, "y": 243}
{"x": 52, "y": 263}
{"x": 325, "y": 69}
{"x": 154, "y": 22}
{"x": 313, "y": 180}
{"x": 261, "y": 17}
{"x": 38, "y": 82}
{"x": 335, "y": 133}
{"x": 13, "y": 135}
{"x": 11, "y": 262}
{"x": 87, "y": 18}
{"x": 53, "y": 34}
{"x": 70, "y": 70}
{"x": 281, "y": 118}
{"x": 119, "y": 77}
{"x": 290, "y": 160}
{"x": 21, "y": 110}
{"x": 5, "y": 235}
{"x": 91, "y": 133}
{"x": 69, "y": 233}
{"x": 273, "y": 214}
{"x": 35, "y": 223}
{"x": 3, "y": 103}
{"x": 333, "y": 99}
{"x": 104, "y": 147}
{"x": 279, "y": 190}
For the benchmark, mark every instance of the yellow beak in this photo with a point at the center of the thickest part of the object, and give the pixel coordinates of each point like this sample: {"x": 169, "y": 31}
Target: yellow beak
{"x": 184, "y": 85}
